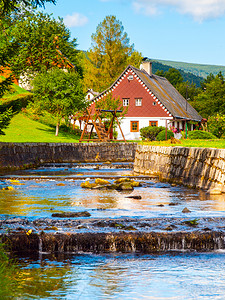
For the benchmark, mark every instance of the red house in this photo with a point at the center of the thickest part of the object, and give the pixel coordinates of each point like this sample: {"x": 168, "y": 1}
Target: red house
{"x": 151, "y": 100}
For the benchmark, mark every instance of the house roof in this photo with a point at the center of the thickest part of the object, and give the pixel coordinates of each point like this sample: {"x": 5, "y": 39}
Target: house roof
{"x": 165, "y": 92}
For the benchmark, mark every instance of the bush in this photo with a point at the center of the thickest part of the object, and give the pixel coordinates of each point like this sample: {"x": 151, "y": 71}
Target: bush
{"x": 200, "y": 135}
{"x": 216, "y": 125}
{"x": 162, "y": 135}
{"x": 150, "y": 132}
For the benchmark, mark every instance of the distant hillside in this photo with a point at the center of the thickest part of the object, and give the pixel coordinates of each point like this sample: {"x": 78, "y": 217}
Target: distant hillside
{"x": 196, "y": 69}
{"x": 188, "y": 76}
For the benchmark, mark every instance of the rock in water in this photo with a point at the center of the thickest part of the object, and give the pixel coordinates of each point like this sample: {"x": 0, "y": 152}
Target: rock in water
{"x": 71, "y": 214}
{"x": 134, "y": 197}
{"x": 186, "y": 210}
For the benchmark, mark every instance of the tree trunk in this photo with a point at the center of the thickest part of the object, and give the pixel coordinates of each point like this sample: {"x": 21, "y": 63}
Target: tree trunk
{"x": 57, "y": 129}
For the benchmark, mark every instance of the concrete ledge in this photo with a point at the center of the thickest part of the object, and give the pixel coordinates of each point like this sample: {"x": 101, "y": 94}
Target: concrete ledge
{"x": 24, "y": 155}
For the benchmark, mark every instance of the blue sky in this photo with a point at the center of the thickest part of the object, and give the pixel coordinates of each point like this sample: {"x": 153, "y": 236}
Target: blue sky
{"x": 178, "y": 30}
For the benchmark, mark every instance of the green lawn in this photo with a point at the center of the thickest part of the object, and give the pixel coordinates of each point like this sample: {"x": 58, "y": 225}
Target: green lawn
{"x": 192, "y": 143}
{"x": 22, "y": 130}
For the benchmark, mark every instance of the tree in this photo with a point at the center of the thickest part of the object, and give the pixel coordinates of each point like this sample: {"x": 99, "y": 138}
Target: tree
{"x": 188, "y": 90}
{"x": 43, "y": 42}
{"x": 8, "y": 46}
{"x": 7, "y": 6}
{"x": 110, "y": 53}
{"x": 173, "y": 75}
{"x": 58, "y": 92}
{"x": 211, "y": 100}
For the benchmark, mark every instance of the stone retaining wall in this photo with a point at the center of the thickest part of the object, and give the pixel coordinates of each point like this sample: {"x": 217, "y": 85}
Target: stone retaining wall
{"x": 194, "y": 167}
{"x": 19, "y": 155}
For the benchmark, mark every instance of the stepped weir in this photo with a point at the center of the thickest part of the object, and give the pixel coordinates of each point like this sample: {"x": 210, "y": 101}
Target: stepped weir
{"x": 156, "y": 217}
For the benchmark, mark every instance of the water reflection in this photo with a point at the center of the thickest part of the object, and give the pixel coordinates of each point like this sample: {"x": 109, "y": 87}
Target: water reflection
{"x": 165, "y": 276}
{"x": 40, "y": 198}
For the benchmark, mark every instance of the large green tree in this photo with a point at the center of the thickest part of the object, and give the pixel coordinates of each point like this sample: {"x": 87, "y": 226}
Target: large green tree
{"x": 59, "y": 92}
{"x": 43, "y": 42}
{"x": 110, "y": 53}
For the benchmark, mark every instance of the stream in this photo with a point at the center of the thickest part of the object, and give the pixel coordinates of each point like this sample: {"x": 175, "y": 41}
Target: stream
{"x": 36, "y": 194}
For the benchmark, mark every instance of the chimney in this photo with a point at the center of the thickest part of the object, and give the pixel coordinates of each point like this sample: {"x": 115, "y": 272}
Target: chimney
{"x": 147, "y": 66}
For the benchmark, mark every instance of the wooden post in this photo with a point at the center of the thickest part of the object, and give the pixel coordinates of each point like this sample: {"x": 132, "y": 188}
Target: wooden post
{"x": 166, "y": 132}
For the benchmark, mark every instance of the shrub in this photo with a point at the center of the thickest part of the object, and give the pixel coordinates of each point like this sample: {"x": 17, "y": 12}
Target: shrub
{"x": 150, "y": 132}
{"x": 216, "y": 125}
{"x": 162, "y": 135}
{"x": 200, "y": 135}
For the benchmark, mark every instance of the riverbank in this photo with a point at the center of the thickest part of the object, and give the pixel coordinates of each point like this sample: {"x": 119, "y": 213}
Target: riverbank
{"x": 194, "y": 167}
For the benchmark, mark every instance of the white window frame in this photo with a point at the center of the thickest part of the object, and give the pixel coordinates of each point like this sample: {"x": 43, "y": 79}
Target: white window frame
{"x": 138, "y": 102}
{"x": 126, "y": 102}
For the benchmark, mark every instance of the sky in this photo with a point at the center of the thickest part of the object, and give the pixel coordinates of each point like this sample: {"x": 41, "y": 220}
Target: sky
{"x": 178, "y": 30}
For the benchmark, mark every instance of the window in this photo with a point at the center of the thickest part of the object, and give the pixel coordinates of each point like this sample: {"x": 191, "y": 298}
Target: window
{"x": 134, "y": 126}
{"x": 125, "y": 102}
{"x": 153, "y": 123}
{"x": 138, "y": 102}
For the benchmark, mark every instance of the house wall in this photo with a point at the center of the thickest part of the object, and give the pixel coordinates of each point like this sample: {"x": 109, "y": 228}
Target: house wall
{"x": 134, "y": 89}
{"x": 143, "y": 122}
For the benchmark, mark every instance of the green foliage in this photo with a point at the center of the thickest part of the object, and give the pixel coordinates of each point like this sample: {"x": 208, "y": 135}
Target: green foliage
{"x": 6, "y": 6}
{"x": 200, "y": 135}
{"x": 110, "y": 103}
{"x": 212, "y": 99}
{"x": 5, "y": 118}
{"x": 216, "y": 125}
{"x": 162, "y": 135}
{"x": 110, "y": 53}
{"x": 188, "y": 90}
{"x": 173, "y": 75}
{"x": 58, "y": 92}
{"x": 43, "y": 42}
{"x": 150, "y": 132}
{"x": 8, "y": 272}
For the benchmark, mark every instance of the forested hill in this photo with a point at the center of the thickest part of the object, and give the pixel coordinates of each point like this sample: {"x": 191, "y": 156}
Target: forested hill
{"x": 188, "y": 76}
{"x": 196, "y": 69}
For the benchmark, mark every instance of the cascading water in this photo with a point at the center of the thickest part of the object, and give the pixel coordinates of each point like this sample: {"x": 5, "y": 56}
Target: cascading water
{"x": 146, "y": 225}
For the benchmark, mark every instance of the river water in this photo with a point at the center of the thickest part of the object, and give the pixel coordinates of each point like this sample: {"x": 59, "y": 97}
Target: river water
{"x": 56, "y": 188}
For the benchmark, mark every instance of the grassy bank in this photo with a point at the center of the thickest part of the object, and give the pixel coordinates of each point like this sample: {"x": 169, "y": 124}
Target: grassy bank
{"x": 22, "y": 130}
{"x": 220, "y": 144}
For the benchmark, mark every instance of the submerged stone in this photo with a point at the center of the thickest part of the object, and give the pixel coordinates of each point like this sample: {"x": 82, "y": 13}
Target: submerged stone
{"x": 71, "y": 214}
{"x": 134, "y": 197}
{"x": 186, "y": 210}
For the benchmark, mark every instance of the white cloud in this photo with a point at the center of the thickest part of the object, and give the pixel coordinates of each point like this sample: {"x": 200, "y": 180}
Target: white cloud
{"x": 75, "y": 20}
{"x": 199, "y": 9}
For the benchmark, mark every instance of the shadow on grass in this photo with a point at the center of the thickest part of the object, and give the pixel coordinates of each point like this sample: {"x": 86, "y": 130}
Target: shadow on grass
{"x": 62, "y": 133}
